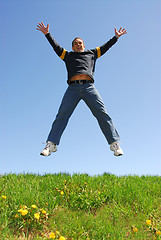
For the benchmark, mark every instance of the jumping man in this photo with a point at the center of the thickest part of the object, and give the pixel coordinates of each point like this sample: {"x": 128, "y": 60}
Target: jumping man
{"x": 80, "y": 64}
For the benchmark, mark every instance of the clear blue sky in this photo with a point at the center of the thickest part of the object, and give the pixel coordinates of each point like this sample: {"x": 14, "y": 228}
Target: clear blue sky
{"x": 33, "y": 82}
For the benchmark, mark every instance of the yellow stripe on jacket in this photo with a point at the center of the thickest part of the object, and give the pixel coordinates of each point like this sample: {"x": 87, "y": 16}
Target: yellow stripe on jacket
{"x": 63, "y": 54}
{"x": 98, "y": 52}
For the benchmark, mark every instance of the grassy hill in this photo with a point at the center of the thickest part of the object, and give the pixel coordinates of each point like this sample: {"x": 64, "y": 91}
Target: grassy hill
{"x": 79, "y": 206}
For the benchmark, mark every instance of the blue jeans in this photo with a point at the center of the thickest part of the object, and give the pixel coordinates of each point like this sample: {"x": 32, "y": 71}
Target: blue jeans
{"x": 90, "y": 95}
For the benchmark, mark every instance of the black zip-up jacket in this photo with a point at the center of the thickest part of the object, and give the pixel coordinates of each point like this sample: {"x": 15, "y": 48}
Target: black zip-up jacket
{"x": 80, "y": 62}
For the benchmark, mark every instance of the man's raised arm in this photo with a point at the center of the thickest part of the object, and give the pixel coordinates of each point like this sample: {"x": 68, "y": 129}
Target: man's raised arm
{"x": 60, "y": 51}
{"x": 105, "y": 47}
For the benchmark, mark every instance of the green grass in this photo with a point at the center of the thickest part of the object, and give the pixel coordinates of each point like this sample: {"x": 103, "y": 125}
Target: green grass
{"x": 80, "y": 206}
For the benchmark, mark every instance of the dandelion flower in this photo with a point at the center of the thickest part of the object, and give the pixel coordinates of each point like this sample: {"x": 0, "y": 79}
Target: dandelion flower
{"x": 62, "y": 193}
{"x": 4, "y": 197}
{"x": 148, "y": 222}
{"x": 33, "y": 206}
{"x": 24, "y": 212}
{"x": 158, "y": 232}
{"x": 37, "y": 216}
{"x": 43, "y": 211}
{"x": 52, "y": 235}
{"x": 62, "y": 238}
{"x": 135, "y": 229}
{"x": 16, "y": 216}
{"x": 20, "y": 210}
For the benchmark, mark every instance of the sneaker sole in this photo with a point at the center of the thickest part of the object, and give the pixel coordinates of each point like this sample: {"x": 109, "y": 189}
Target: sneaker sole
{"x": 118, "y": 154}
{"x": 42, "y": 154}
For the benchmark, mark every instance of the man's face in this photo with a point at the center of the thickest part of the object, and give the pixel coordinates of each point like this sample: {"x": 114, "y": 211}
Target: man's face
{"x": 78, "y": 45}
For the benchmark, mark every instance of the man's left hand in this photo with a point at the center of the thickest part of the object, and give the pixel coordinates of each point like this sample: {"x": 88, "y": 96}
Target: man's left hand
{"x": 120, "y": 32}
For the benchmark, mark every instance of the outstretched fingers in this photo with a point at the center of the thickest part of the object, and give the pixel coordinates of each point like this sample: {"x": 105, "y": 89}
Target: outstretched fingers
{"x": 41, "y": 27}
{"x": 42, "y": 24}
{"x": 120, "y": 32}
{"x": 124, "y": 31}
{"x": 120, "y": 29}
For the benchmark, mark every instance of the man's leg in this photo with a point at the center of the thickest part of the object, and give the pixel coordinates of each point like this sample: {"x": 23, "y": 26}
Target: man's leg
{"x": 68, "y": 104}
{"x": 96, "y": 105}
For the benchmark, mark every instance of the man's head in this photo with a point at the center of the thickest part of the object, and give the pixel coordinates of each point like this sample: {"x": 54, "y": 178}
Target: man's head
{"x": 78, "y": 45}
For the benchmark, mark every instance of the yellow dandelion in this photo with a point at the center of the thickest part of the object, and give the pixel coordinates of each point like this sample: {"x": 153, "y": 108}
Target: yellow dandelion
{"x": 52, "y": 235}
{"x": 148, "y": 222}
{"x": 24, "y": 212}
{"x": 16, "y": 216}
{"x": 4, "y": 197}
{"x": 62, "y": 193}
{"x": 62, "y": 238}
{"x": 33, "y": 206}
{"x": 37, "y": 216}
{"x": 158, "y": 232}
{"x": 43, "y": 211}
{"x": 135, "y": 229}
{"x": 20, "y": 210}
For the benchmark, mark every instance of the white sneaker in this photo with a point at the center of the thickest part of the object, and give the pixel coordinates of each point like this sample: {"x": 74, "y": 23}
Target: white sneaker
{"x": 50, "y": 147}
{"x": 116, "y": 149}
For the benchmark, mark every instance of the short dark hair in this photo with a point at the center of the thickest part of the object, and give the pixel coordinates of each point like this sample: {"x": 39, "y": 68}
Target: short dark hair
{"x": 75, "y": 39}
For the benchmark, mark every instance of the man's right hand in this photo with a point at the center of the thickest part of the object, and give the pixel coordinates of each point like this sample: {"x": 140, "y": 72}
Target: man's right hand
{"x": 41, "y": 27}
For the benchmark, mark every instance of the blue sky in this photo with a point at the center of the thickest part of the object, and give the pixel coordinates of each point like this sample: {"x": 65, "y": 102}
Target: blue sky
{"x": 33, "y": 82}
